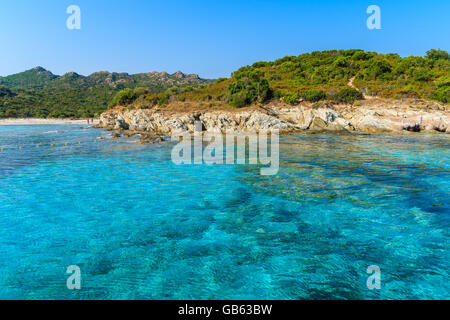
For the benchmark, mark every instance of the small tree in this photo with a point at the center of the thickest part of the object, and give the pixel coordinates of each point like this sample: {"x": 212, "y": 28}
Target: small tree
{"x": 125, "y": 97}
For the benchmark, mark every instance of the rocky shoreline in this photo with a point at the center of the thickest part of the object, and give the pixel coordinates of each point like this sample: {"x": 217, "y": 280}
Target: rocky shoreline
{"x": 374, "y": 115}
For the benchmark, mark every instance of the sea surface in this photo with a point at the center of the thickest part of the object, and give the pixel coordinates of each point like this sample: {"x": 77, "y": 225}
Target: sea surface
{"x": 141, "y": 227}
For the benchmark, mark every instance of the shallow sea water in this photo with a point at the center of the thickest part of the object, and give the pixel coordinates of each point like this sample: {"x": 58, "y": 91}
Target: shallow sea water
{"x": 141, "y": 227}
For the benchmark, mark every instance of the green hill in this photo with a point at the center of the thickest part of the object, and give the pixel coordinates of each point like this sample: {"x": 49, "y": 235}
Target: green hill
{"x": 35, "y": 78}
{"x": 337, "y": 75}
{"x": 40, "y": 93}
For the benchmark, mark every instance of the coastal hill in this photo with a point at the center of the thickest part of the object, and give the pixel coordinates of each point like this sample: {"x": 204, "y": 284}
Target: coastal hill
{"x": 40, "y": 93}
{"x": 34, "y": 78}
{"x": 317, "y": 78}
{"x": 335, "y": 75}
{"x": 39, "y": 78}
{"x": 330, "y": 90}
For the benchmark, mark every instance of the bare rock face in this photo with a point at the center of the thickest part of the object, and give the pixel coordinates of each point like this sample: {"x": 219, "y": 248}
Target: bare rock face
{"x": 389, "y": 117}
{"x": 397, "y": 117}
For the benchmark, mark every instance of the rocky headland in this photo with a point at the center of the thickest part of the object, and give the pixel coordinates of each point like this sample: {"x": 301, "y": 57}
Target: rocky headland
{"x": 370, "y": 116}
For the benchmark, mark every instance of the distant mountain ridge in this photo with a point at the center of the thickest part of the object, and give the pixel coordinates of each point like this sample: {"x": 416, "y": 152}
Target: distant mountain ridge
{"x": 35, "y": 77}
{"x": 40, "y": 93}
{"x": 40, "y": 78}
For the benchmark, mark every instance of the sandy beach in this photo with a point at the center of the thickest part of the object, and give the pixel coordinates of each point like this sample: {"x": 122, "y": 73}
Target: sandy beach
{"x": 33, "y": 121}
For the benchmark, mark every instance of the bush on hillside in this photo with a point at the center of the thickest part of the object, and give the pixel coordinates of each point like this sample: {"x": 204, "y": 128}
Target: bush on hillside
{"x": 125, "y": 97}
{"x": 248, "y": 86}
{"x": 347, "y": 95}
{"x": 140, "y": 91}
{"x": 240, "y": 99}
{"x": 422, "y": 74}
{"x": 442, "y": 95}
{"x": 377, "y": 68}
{"x": 5, "y": 92}
{"x": 292, "y": 99}
{"x": 164, "y": 99}
{"x": 261, "y": 64}
{"x": 314, "y": 95}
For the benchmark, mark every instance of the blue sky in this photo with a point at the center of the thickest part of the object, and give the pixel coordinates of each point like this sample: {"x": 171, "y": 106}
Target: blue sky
{"x": 208, "y": 37}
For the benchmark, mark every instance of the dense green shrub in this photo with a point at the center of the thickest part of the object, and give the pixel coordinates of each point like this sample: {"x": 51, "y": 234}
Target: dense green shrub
{"x": 291, "y": 99}
{"x": 376, "y": 69}
{"x": 443, "y": 82}
{"x": 393, "y": 56}
{"x": 341, "y": 62}
{"x": 434, "y": 54}
{"x": 361, "y": 55}
{"x": 124, "y": 97}
{"x": 285, "y": 59}
{"x": 240, "y": 99}
{"x": 277, "y": 94}
{"x": 422, "y": 74}
{"x": 314, "y": 95}
{"x": 187, "y": 89}
{"x": 248, "y": 86}
{"x": 173, "y": 90}
{"x": 127, "y": 96}
{"x": 5, "y": 92}
{"x": 140, "y": 91}
{"x": 348, "y": 95}
{"x": 260, "y": 64}
{"x": 10, "y": 113}
{"x": 164, "y": 99}
{"x": 442, "y": 94}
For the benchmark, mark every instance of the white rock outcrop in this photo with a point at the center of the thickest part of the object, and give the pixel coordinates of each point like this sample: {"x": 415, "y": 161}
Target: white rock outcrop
{"x": 385, "y": 118}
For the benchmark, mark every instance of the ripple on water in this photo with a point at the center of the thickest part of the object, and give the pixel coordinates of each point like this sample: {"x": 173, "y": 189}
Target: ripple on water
{"x": 141, "y": 227}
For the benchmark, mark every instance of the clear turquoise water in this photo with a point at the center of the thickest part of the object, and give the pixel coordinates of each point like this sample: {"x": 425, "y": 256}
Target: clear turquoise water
{"x": 140, "y": 227}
